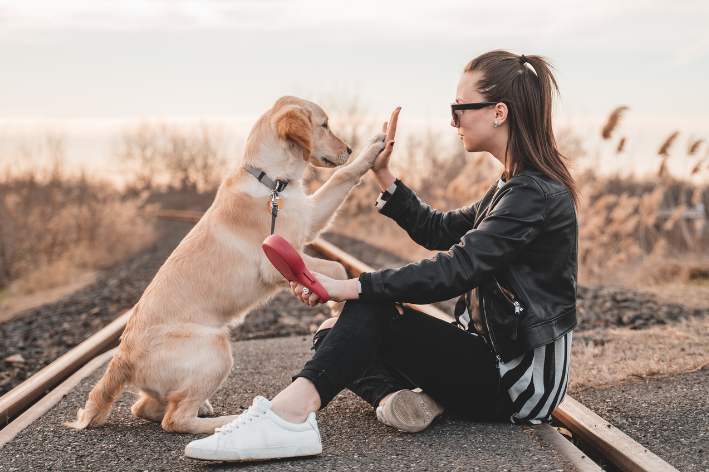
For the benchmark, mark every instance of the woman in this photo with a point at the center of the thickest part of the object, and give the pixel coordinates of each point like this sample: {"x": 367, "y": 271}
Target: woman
{"x": 513, "y": 258}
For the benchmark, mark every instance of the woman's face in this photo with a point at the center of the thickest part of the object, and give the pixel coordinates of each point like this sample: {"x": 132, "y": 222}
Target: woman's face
{"x": 476, "y": 128}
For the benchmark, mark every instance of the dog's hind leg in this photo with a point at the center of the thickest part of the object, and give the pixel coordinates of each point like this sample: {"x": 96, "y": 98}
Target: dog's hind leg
{"x": 149, "y": 408}
{"x": 181, "y": 417}
{"x": 206, "y": 409}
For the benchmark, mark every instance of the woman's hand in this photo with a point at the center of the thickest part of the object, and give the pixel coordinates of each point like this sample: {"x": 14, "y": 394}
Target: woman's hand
{"x": 338, "y": 290}
{"x": 380, "y": 168}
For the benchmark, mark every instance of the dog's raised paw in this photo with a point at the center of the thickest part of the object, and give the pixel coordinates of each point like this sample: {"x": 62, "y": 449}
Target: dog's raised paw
{"x": 377, "y": 138}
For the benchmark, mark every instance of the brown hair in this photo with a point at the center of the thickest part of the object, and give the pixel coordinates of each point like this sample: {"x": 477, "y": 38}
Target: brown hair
{"x": 528, "y": 94}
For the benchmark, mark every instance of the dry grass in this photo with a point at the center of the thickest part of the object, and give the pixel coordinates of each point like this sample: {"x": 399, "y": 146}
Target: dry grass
{"x": 58, "y": 227}
{"x": 41, "y": 287}
{"x": 625, "y": 355}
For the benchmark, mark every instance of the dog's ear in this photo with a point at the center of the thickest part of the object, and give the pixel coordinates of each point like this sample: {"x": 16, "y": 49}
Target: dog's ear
{"x": 295, "y": 123}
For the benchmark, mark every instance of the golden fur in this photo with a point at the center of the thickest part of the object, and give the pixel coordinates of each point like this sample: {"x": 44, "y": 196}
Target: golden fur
{"x": 175, "y": 349}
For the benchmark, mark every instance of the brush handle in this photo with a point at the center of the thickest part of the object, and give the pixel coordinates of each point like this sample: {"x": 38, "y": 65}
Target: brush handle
{"x": 286, "y": 259}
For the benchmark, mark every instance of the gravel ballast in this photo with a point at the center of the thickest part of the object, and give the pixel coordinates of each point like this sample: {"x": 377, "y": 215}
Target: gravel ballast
{"x": 668, "y": 416}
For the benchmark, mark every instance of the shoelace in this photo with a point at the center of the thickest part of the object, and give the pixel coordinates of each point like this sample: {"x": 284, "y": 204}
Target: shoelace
{"x": 248, "y": 415}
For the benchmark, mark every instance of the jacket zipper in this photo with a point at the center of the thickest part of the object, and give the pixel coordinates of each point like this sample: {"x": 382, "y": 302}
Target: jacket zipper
{"x": 492, "y": 336}
{"x": 518, "y": 307}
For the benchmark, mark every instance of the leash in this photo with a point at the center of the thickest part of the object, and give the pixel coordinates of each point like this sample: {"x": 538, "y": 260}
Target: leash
{"x": 276, "y": 186}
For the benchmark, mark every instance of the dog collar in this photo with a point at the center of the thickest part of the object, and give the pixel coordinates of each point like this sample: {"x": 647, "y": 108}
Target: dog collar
{"x": 275, "y": 185}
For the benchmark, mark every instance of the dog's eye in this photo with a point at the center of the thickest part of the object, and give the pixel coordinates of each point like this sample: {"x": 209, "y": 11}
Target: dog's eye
{"x": 324, "y": 125}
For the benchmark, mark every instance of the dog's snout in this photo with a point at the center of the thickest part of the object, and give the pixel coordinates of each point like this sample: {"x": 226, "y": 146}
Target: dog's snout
{"x": 349, "y": 150}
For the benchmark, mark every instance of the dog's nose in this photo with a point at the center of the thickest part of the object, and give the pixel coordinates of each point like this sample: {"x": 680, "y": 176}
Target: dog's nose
{"x": 349, "y": 150}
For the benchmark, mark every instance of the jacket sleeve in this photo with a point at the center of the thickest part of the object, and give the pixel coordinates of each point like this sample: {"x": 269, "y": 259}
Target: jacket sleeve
{"x": 519, "y": 210}
{"x": 430, "y": 228}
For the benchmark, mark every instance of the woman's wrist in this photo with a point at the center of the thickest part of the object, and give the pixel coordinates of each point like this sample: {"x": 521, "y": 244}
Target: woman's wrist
{"x": 351, "y": 289}
{"x": 384, "y": 178}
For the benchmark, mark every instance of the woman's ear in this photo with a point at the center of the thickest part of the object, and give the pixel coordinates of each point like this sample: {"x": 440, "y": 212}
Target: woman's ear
{"x": 295, "y": 123}
{"x": 500, "y": 113}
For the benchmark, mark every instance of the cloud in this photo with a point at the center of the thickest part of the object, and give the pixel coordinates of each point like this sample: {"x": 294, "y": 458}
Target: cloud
{"x": 583, "y": 22}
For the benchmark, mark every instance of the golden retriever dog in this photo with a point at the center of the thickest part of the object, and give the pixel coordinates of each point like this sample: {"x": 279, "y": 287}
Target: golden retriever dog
{"x": 175, "y": 349}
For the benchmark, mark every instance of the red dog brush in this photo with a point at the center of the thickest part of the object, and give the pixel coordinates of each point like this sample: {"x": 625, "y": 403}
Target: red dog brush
{"x": 286, "y": 259}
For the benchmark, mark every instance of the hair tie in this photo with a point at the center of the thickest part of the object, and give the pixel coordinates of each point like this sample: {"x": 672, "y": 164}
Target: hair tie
{"x": 522, "y": 59}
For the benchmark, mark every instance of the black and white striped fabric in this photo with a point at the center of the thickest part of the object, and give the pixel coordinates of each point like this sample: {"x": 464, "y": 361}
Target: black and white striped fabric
{"x": 536, "y": 381}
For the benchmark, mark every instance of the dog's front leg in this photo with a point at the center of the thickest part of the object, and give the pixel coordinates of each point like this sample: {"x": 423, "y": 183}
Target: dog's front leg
{"x": 332, "y": 194}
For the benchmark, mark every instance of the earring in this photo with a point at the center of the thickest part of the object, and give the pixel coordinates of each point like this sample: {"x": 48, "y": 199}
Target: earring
{"x": 495, "y": 123}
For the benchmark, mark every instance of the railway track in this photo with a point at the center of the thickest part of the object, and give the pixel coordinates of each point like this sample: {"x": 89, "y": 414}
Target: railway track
{"x": 598, "y": 438}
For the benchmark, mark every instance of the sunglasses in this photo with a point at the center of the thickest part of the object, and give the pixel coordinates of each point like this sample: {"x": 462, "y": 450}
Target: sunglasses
{"x": 467, "y": 106}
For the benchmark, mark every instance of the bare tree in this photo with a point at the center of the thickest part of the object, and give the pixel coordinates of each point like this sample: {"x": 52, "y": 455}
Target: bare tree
{"x": 158, "y": 154}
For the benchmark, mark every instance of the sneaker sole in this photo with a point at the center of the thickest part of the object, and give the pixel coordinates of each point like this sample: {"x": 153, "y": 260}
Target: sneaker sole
{"x": 411, "y": 412}
{"x": 253, "y": 454}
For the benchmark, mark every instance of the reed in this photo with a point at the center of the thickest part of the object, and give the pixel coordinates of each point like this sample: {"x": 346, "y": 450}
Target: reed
{"x": 613, "y": 122}
{"x": 665, "y": 147}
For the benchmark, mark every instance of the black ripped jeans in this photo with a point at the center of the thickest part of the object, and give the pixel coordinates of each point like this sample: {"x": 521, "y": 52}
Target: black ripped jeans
{"x": 374, "y": 351}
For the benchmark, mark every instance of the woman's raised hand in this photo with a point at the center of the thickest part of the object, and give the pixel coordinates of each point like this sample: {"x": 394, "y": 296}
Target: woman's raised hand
{"x": 381, "y": 163}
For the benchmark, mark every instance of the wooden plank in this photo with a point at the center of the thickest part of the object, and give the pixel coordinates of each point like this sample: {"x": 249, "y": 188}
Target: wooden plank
{"x": 181, "y": 215}
{"x": 19, "y": 397}
{"x": 616, "y": 446}
{"x": 355, "y": 267}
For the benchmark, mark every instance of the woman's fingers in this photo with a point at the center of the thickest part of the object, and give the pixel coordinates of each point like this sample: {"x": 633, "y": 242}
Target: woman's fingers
{"x": 384, "y": 127}
{"x": 382, "y": 160}
{"x": 309, "y": 299}
{"x": 391, "y": 130}
{"x": 298, "y": 291}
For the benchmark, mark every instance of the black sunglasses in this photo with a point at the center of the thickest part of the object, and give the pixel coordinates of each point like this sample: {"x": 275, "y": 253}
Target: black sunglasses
{"x": 467, "y": 106}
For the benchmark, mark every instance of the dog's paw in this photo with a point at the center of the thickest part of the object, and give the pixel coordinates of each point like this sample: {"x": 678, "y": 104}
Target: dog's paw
{"x": 377, "y": 138}
{"x": 370, "y": 153}
{"x": 206, "y": 409}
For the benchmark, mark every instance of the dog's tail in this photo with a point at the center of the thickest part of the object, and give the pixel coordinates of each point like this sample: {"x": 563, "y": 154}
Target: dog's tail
{"x": 101, "y": 398}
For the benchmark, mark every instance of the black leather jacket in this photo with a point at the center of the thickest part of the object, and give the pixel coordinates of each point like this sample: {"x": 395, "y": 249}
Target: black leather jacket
{"x": 518, "y": 244}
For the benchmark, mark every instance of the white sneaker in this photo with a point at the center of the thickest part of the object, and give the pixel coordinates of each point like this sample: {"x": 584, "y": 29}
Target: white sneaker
{"x": 409, "y": 410}
{"x": 258, "y": 433}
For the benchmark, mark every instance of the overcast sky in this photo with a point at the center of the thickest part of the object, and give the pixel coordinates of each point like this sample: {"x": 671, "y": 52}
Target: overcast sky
{"x": 99, "y": 61}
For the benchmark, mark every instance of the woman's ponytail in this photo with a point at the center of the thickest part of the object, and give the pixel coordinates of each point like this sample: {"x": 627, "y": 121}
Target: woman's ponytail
{"x": 527, "y": 86}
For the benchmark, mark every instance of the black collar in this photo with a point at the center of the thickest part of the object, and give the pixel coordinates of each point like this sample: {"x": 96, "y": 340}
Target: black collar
{"x": 277, "y": 185}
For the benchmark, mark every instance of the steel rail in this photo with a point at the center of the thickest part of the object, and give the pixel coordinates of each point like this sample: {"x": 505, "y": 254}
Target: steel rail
{"x": 28, "y": 391}
{"x": 624, "y": 452}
